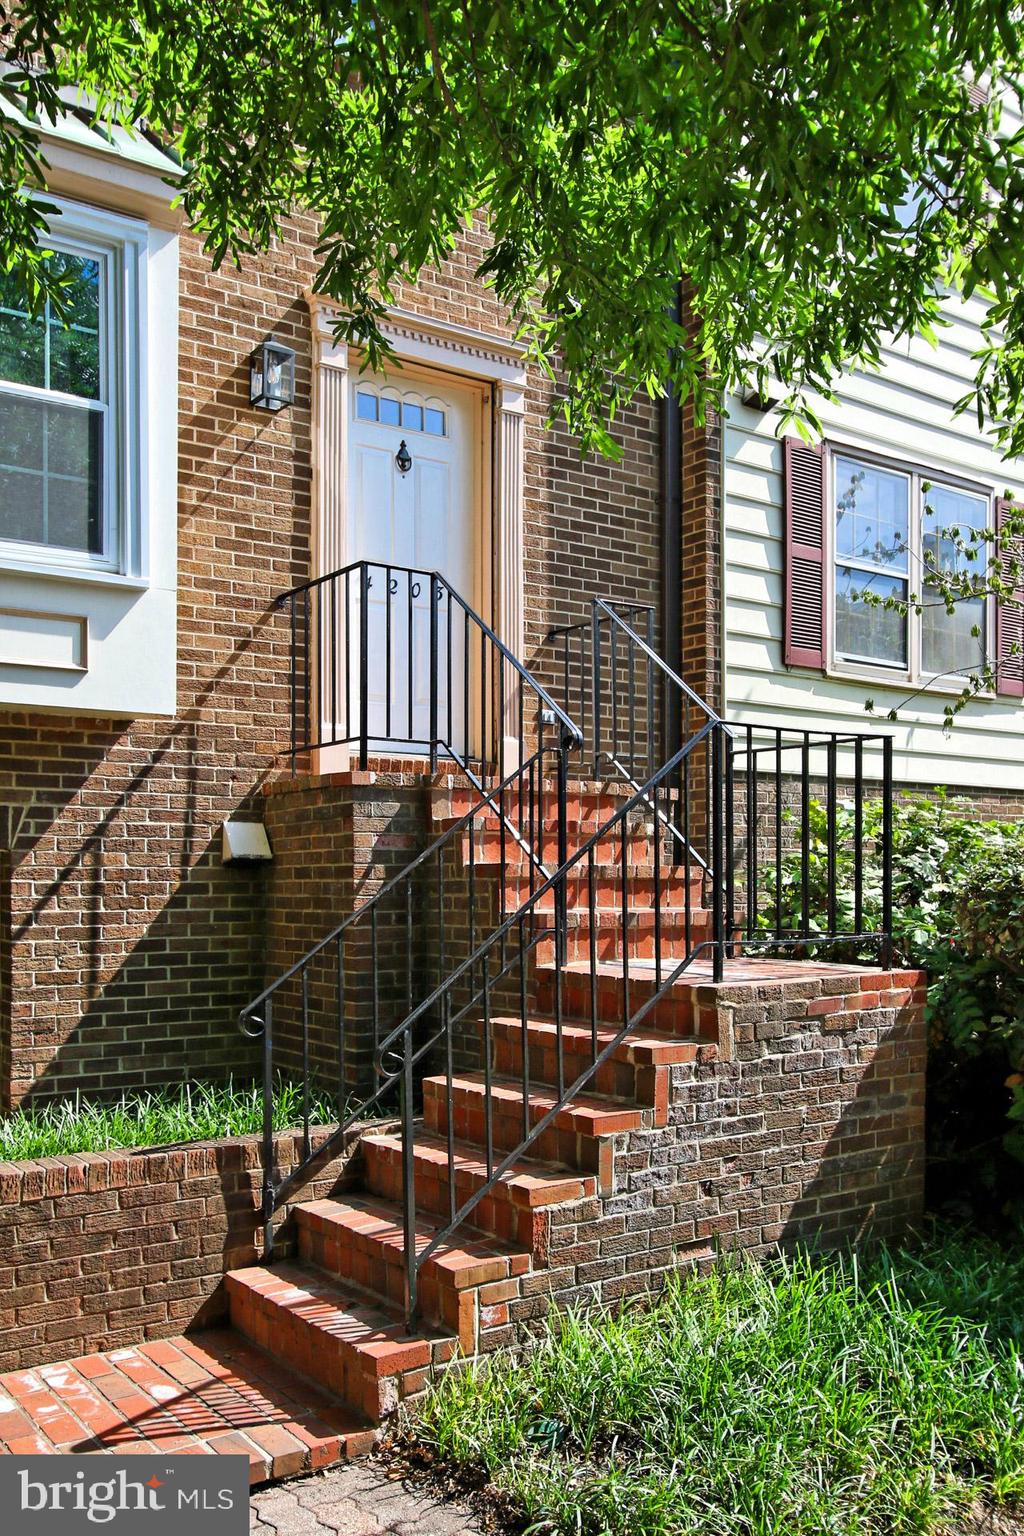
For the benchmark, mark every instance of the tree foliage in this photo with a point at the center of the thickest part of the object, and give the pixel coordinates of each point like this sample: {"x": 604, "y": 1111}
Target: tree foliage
{"x": 818, "y": 171}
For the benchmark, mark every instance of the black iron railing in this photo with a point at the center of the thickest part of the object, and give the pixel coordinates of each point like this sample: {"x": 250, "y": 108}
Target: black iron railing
{"x": 392, "y": 656}
{"x": 695, "y": 864}
{"x": 322, "y": 1020}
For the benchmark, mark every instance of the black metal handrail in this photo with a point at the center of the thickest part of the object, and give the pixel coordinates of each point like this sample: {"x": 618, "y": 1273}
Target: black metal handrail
{"x": 519, "y": 798}
{"x": 481, "y": 995}
{"x": 394, "y": 654}
{"x": 384, "y": 932}
{"x": 498, "y": 970}
{"x": 705, "y": 816}
{"x": 621, "y": 684}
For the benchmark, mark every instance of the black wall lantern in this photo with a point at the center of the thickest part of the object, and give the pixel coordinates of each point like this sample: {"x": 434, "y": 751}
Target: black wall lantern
{"x": 272, "y": 375}
{"x": 403, "y": 458}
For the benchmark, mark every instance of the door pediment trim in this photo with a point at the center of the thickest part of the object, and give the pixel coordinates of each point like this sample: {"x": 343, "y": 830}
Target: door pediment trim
{"x": 424, "y": 339}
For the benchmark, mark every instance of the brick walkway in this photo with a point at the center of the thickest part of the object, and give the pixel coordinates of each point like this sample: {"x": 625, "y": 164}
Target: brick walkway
{"x": 211, "y": 1393}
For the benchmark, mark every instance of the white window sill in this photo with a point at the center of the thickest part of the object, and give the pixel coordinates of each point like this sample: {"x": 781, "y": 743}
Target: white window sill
{"x": 886, "y": 677}
{"x": 94, "y": 576}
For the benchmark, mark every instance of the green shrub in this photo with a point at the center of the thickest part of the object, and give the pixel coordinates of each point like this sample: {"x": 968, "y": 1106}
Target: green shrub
{"x": 848, "y": 1396}
{"x": 958, "y": 913}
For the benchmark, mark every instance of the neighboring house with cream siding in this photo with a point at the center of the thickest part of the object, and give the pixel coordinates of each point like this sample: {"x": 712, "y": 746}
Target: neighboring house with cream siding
{"x": 895, "y": 461}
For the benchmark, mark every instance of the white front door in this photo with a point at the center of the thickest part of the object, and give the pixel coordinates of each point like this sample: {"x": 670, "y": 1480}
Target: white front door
{"x": 407, "y": 522}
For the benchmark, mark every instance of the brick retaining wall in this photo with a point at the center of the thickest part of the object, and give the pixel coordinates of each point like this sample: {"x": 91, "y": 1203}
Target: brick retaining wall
{"x": 102, "y": 1250}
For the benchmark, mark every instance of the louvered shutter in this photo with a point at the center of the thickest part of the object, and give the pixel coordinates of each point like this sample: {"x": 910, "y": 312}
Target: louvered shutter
{"x": 1009, "y": 617}
{"x": 804, "y": 493}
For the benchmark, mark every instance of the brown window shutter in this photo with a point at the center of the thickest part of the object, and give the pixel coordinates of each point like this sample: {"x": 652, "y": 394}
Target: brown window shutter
{"x": 1009, "y": 619}
{"x": 804, "y": 496}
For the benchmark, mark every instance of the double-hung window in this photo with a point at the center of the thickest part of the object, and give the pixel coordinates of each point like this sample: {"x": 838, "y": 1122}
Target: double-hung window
{"x": 69, "y": 444}
{"x": 891, "y": 527}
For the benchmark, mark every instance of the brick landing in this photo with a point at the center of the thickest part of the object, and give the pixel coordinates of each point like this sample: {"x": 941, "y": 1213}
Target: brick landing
{"x": 200, "y": 1396}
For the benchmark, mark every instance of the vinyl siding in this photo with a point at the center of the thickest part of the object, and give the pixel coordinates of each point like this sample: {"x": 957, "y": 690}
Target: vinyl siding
{"x": 905, "y": 411}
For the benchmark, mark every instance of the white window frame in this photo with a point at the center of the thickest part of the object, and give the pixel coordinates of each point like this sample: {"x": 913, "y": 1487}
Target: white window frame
{"x": 120, "y": 243}
{"x": 863, "y": 668}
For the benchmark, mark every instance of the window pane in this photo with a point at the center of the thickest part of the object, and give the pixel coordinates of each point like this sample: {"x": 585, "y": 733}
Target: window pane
{"x": 435, "y": 422}
{"x": 75, "y": 346}
{"x": 21, "y": 506}
{"x": 390, "y": 411}
{"x": 412, "y": 416}
{"x": 947, "y": 645}
{"x": 46, "y": 352}
{"x": 73, "y": 515}
{"x": 51, "y": 474}
{"x": 948, "y": 516}
{"x": 947, "y": 509}
{"x": 872, "y": 514}
{"x": 22, "y": 428}
{"x": 366, "y": 405}
{"x": 22, "y": 350}
{"x": 73, "y": 441}
{"x": 864, "y": 630}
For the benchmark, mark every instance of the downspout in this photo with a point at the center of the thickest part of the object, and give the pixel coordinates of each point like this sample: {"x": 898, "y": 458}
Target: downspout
{"x": 671, "y": 453}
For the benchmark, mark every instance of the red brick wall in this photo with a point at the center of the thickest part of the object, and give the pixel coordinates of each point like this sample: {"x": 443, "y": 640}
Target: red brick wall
{"x": 103, "y": 1249}
{"x": 802, "y": 1120}
{"x": 130, "y": 948}
{"x": 807, "y": 1126}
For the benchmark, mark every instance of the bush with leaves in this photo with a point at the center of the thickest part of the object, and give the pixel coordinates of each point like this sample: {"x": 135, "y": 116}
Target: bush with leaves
{"x": 958, "y": 913}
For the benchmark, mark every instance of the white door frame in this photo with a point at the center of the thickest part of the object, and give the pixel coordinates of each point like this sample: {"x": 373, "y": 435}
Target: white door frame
{"x": 498, "y": 368}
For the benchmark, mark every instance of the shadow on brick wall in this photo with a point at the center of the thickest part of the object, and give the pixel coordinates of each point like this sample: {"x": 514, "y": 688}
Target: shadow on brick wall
{"x": 129, "y": 946}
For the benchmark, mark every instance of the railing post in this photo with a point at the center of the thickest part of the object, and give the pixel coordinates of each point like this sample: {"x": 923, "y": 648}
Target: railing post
{"x": 887, "y": 947}
{"x": 730, "y": 837}
{"x": 561, "y": 914}
{"x": 409, "y": 1180}
{"x": 595, "y": 696}
{"x": 268, "y": 1132}
{"x": 433, "y": 675}
{"x": 364, "y": 664}
{"x": 717, "y": 858}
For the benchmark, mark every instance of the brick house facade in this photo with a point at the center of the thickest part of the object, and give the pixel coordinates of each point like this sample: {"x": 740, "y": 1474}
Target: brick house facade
{"x": 532, "y": 906}
{"x": 127, "y": 946}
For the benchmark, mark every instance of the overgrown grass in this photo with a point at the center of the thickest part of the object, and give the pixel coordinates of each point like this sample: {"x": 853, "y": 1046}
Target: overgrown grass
{"x": 807, "y": 1397}
{"x": 191, "y": 1112}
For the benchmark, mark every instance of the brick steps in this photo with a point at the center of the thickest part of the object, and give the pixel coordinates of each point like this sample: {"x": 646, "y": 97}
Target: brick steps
{"x": 335, "y": 1336}
{"x": 578, "y": 1135}
{"x": 673, "y": 1014}
{"x": 640, "y": 885}
{"x": 512, "y": 1211}
{"x": 674, "y": 932}
{"x": 607, "y": 851}
{"x": 637, "y": 1068}
{"x": 363, "y": 1241}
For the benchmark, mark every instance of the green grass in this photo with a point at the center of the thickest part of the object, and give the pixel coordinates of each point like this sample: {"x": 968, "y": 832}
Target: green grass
{"x": 189, "y": 1112}
{"x": 807, "y": 1397}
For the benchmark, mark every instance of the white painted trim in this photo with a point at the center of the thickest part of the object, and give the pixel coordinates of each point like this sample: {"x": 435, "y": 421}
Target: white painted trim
{"x": 121, "y": 246}
{"x": 494, "y": 362}
{"x": 131, "y": 610}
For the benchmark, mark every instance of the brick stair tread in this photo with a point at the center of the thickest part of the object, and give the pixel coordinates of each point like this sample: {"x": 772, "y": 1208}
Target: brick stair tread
{"x": 530, "y": 1182}
{"x": 466, "y": 1258}
{"x": 641, "y": 917}
{"x": 639, "y": 971}
{"x": 644, "y": 1048}
{"x": 589, "y": 1114}
{"x": 361, "y": 1322}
